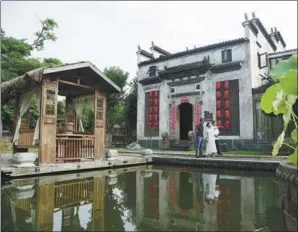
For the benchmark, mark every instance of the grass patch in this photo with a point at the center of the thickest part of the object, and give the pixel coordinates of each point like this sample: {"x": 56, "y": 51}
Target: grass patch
{"x": 8, "y": 148}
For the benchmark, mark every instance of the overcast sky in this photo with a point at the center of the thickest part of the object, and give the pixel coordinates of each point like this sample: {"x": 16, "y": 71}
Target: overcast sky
{"x": 107, "y": 33}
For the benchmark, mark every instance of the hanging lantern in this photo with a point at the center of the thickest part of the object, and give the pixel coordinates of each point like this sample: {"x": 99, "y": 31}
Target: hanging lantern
{"x": 227, "y": 114}
{"x": 218, "y": 105}
{"x": 227, "y": 124}
{"x": 219, "y": 123}
{"x": 217, "y": 85}
{"x": 156, "y": 93}
{"x": 226, "y": 85}
{"x": 227, "y": 104}
{"x": 150, "y": 125}
{"x": 156, "y": 125}
{"x": 150, "y": 110}
{"x": 156, "y": 102}
{"x": 150, "y": 117}
{"x": 150, "y": 102}
{"x": 226, "y": 94}
{"x": 218, "y": 94}
{"x": 218, "y": 114}
{"x": 156, "y": 117}
{"x": 156, "y": 110}
{"x": 151, "y": 94}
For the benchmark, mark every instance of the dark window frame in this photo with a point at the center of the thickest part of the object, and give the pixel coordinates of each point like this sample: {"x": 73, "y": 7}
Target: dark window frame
{"x": 228, "y": 57}
{"x": 259, "y": 60}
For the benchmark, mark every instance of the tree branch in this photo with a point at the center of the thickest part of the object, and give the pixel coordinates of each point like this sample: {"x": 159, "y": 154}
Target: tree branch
{"x": 39, "y": 36}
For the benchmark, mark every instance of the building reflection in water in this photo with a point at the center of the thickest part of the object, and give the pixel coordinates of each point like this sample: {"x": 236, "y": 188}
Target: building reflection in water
{"x": 155, "y": 199}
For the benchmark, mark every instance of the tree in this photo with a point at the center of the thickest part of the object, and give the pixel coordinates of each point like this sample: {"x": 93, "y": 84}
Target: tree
{"x": 119, "y": 77}
{"x": 16, "y": 60}
{"x": 131, "y": 101}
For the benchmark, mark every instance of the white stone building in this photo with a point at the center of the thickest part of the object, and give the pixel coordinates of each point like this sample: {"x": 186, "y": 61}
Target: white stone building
{"x": 214, "y": 82}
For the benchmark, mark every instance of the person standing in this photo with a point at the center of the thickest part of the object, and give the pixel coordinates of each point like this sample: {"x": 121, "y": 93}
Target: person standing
{"x": 216, "y": 133}
{"x": 200, "y": 138}
{"x": 210, "y": 147}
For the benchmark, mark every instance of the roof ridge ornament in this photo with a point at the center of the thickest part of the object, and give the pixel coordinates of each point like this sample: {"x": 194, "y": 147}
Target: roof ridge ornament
{"x": 245, "y": 16}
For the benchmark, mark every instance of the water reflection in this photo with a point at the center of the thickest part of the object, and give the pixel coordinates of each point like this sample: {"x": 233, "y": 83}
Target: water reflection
{"x": 155, "y": 199}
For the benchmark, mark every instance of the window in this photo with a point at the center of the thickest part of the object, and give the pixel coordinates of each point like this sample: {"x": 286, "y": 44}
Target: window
{"x": 173, "y": 90}
{"x": 99, "y": 109}
{"x": 197, "y": 87}
{"x": 226, "y": 55}
{"x": 50, "y": 102}
{"x": 152, "y": 71}
{"x": 262, "y": 60}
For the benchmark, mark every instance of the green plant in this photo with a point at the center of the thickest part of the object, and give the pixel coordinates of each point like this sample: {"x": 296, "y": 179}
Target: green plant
{"x": 280, "y": 98}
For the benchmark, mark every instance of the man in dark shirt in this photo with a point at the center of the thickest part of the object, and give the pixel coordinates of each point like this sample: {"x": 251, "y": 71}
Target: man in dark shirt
{"x": 200, "y": 138}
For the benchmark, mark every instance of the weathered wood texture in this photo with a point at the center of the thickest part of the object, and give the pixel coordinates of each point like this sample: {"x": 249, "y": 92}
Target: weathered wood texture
{"x": 75, "y": 148}
{"x": 99, "y": 124}
{"x": 45, "y": 207}
{"x": 48, "y": 122}
{"x": 26, "y": 137}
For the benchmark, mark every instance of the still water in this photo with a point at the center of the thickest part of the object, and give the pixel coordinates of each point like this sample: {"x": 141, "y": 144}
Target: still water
{"x": 143, "y": 199}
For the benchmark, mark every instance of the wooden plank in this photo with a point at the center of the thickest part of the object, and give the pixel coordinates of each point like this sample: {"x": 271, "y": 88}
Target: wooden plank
{"x": 75, "y": 84}
{"x": 99, "y": 125}
{"x": 48, "y": 127}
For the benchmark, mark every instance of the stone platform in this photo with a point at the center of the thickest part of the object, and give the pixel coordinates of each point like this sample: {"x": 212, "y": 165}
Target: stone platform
{"x": 59, "y": 168}
{"x": 242, "y": 163}
{"x": 237, "y": 163}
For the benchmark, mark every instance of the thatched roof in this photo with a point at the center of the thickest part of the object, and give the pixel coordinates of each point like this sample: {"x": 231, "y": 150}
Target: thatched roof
{"x": 33, "y": 76}
{"x": 88, "y": 70}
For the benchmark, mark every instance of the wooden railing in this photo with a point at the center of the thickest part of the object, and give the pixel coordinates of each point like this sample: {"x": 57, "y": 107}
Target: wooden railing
{"x": 26, "y": 137}
{"x": 72, "y": 193}
{"x": 68, "y": 148}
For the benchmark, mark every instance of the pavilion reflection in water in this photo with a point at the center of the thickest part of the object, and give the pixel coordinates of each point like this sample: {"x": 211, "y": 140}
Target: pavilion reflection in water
{"x": 165, "y": 200}
{"x": 57, "y": 206}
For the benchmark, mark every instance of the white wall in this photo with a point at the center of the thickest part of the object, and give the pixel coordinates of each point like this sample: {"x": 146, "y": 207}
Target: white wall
{"x": 239, "y": 53}
{"x": 214, "y": 56}
{"x": 254, "y": 50}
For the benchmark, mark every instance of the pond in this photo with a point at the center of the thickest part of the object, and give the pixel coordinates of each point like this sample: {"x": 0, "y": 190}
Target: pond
{"x": 144, "y": 199}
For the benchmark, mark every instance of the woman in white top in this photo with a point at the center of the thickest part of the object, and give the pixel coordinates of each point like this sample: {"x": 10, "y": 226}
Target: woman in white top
{"x": 216, "y": 133}
{"x": 210, "y": 139}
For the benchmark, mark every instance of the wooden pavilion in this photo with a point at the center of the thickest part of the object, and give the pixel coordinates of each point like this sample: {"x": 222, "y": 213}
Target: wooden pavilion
{"x": 81, "y": 83}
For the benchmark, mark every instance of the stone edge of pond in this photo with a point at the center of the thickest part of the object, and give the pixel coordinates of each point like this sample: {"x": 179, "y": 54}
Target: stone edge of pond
{"x": 187, "y": 154}
{"x": 263, "y": 165}
{"x": 287, "y": 172}
{"x": 68, "y": 168}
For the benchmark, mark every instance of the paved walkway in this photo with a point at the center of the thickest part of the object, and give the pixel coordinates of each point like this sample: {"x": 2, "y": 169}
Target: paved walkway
{"x": 189, "y": 154}
{"x": 48, "y": 169}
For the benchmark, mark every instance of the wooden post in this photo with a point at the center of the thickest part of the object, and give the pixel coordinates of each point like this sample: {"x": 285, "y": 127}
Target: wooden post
{"x": 99, "y": 124}
{"x": 98, "y": 203}
{"x": 45, "y": 207}
{"x": 48, "y": 122}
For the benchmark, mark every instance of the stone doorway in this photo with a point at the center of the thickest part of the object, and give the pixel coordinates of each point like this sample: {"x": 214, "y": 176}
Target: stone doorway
{"x": 186, "y": 120}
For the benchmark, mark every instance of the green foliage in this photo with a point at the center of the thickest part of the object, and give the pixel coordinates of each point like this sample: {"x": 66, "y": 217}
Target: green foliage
{"x": 16, "y": 61}
{"x": 280, "y": 99}
{"x": 119, "y": 77}
{"x": 44, "y": 34}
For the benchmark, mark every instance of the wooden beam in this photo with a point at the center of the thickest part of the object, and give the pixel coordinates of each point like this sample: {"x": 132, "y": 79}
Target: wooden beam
{"x": 74, "y": 84}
